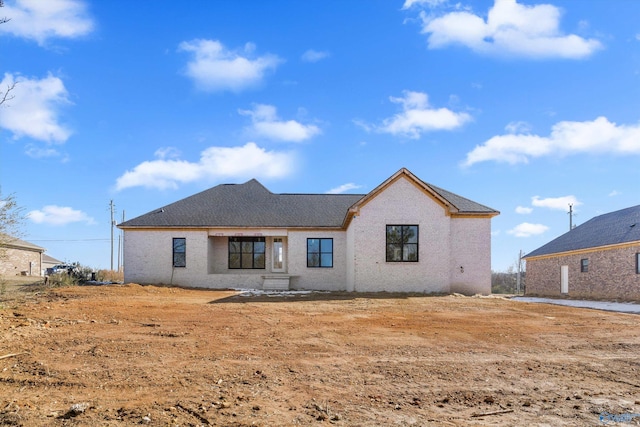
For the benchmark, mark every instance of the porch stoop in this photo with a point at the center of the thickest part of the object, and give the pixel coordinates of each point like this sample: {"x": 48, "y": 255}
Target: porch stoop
{"x": 276, "y": 282}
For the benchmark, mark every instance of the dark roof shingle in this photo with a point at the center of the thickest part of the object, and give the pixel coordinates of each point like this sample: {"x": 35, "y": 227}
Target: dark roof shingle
{"x": 617, "y": 227}
{"x": 249, "y": 205}
{"x": 252, "y": 205}
{"x": 463, "y": 204}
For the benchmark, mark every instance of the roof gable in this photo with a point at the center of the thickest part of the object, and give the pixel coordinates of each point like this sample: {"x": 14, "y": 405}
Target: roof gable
{"x": 614, "y": 228}
{"x": 452, "y": 203}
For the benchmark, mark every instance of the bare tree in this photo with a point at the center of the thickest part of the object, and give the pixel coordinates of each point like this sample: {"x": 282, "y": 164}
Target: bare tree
{"x": 11, "y": 220}
{"x": 5, "y": 19}
{"x": 4, "y": 96}
{"x": 11, "y": 215}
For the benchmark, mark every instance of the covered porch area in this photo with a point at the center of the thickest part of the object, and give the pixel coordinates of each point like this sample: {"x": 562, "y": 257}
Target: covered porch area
{"x": 256, "y": 254}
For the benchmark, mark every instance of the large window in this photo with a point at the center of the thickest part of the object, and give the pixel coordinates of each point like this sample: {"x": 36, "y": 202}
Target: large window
{"x": 246, "y": 252}
{"x": 402, "y": 243}
{"x": 320, "y": 253}
{"x": 179, "y": 252}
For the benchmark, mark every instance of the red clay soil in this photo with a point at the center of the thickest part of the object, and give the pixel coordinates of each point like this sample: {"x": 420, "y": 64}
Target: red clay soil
{"x": 127, "y": 355}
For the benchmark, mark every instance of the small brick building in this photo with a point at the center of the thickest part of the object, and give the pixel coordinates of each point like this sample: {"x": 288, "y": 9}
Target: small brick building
{"x": 599, "y": 259}
{"x": 18, "y": 257}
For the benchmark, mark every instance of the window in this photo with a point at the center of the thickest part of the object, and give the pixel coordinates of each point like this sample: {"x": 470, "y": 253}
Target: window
{"x": 179, "y": 252}
{"x": 320, "y": 253}
{"x": 584, "y": 265}
{"x": 638, "y": 263}
{"x": 246, "y": 252}
{"x": 402, "y": 243}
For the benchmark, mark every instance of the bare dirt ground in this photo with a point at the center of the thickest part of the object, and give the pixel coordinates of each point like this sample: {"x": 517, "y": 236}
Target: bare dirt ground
{"x": 127, "y": 355}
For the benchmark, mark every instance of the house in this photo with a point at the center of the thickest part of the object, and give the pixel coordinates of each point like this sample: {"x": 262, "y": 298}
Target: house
{"x": 599, "y": 259}
{"x": 49, "y": 262}
{"x": 18, "y": 257}
{"x": 404, "y": 236}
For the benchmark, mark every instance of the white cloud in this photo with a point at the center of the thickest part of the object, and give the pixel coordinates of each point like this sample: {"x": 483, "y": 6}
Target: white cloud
{"x": 37, "y": 152}
{"x": 214, "y": 68}
{"x": 266, "y": 124}
{"x": 556, "y": 203}
{"x": 418, "y": 117}
{"x": 34, "y": 110}
{"x": 430, "y": 3}
{"x": 315, "y": 55}
{"x": 527, "y": 230}
{"x": 614, "y": 193}
{"x": 518, "y": 127}
{"x": 595, "y": 137}
{"x": 167, "y": 153}
{"x": 247, "y": 161}
{"x": 523, "y": 210}
{"x": 344, "y": 188}
{"x": 41, "y": 20}
{"x": 511, "y": 29}
{"x": 58, "y": 215}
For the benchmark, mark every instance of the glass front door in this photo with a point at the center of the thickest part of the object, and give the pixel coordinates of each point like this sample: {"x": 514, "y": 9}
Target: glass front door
{"x": 278, "y": 254}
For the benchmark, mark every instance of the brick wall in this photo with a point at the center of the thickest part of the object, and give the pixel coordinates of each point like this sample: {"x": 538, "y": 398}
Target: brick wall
{"x": 611, "y": 275}
{"x": 14, "y": 261}
{"x": 445, "y": 245}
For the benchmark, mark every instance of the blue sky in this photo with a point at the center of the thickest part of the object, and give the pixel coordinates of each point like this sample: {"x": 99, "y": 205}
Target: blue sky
{"x": 525, "y": 106}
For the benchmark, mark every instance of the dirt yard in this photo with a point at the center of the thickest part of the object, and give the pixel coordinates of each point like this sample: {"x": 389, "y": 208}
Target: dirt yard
{"x": 126, "y": 355}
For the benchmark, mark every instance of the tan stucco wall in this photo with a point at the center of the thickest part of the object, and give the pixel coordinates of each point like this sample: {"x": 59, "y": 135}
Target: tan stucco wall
{"x": 612, "y": 275}
{"x": 14, "y": 261}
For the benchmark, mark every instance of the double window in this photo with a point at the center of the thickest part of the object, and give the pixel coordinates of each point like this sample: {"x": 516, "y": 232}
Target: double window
{"x": 179, "y": 252}
{"x": 320, "y": 253}
{"x": 246, "y": 252}
{"x": 402, "y": 243}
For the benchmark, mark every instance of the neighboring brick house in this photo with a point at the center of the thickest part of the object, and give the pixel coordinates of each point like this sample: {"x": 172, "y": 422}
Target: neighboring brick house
{"x": 18, "y": 257}
{"x": 404, "y": 236}
{"x": 599, "y": 259}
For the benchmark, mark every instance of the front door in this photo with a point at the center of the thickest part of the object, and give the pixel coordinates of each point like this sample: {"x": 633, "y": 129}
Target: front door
{"x": 278, "y": 264}
{"x": 564, "y": 279}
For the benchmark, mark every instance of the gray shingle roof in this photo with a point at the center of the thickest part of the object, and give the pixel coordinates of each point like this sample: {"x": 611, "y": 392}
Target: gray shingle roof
{"x": 617, "y": 227}
{"x": 14, "y": 242}
{"x": 463, "y": 204}
{"x": 252, "y": 205}
{"x": 249, "y": 205}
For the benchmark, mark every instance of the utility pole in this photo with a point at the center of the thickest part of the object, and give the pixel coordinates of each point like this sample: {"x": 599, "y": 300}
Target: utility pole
{"x": 121, "y": 247}
{"x": 570, "y": 217}
{"x": 111, "y": 207}
{"x": 519, "y": 275}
